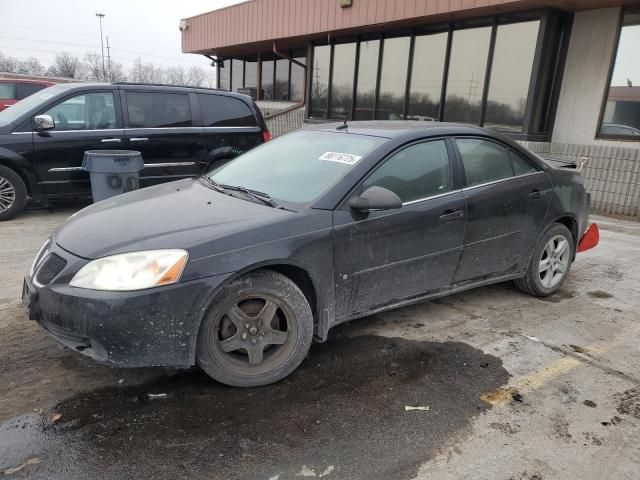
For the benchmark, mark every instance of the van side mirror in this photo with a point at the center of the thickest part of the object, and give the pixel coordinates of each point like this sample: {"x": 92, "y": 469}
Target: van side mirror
{"x": 43, "y": 122}
{"x": 375, "y": 198}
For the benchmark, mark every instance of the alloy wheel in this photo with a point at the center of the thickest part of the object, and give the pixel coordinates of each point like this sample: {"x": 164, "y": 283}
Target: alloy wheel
{"x": 554, "y": 262}
{"x": 7, "y": 194}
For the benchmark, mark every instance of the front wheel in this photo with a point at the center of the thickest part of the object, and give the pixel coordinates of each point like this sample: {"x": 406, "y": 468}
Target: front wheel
{"x": 550, "y": 263}
{"x": 13, "y": 193}
{"x": 257, "y": 332}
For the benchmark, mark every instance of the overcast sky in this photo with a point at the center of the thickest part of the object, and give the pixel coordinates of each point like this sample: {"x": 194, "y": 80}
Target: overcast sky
{"x": 136, "y": 28}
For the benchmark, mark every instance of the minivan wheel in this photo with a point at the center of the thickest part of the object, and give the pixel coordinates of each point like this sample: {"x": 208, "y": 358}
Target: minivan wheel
{"x": 13, "y": 193}
{"x": 258, "y": 330}
{"x": 550, "y": 263}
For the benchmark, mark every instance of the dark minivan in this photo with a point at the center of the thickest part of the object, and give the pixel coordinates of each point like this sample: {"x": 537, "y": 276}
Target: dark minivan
{"x": 180, "y": 131}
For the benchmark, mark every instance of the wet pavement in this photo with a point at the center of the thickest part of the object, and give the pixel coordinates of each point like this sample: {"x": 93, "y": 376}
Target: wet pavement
{"x": 512, "y": 388}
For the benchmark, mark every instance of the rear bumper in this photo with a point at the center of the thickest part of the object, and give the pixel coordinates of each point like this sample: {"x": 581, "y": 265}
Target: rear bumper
{"x": 154, "y": 327}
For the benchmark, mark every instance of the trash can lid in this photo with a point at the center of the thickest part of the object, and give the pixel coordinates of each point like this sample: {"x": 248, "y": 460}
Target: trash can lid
{"x": 112, "y": 161}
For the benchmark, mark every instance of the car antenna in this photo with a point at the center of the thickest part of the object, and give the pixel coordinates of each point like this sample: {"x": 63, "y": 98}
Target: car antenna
{"x": 344, "y": 124}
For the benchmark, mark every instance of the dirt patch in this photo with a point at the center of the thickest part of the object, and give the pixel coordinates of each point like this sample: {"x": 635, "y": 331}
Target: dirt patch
{"x": 559, "y": 296}
{"x": 561, "y": 427}
{"x": 346, "y": 399}
{"x": 590, "y": 403}
{"x": 629, "y": 402}
{"x": 599, "y": 294}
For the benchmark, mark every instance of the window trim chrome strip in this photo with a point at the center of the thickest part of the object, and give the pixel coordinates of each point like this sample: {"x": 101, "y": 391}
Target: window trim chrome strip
{"x": 432, "y": 196}
{"x": 502, "y": 180}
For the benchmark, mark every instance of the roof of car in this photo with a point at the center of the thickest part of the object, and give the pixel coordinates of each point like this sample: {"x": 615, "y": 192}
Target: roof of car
{"x": 396, "y": 128}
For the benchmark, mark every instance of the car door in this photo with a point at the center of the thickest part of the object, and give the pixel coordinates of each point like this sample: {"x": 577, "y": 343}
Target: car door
{"x": 507, "y": 201}
{"x": 87, "y": 120}
{"x": 161, "y": 126}
{"x": 384, "y": 256}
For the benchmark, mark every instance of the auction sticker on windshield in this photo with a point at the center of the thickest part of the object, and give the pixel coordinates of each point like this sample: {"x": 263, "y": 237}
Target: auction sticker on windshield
{"x": 346, "y": 158}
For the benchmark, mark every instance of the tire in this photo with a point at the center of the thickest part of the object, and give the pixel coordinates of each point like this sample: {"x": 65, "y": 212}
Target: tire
{"x": 257, "y": 331}
{"x": 13, "y": 193}
{"x": 540, "y": 281}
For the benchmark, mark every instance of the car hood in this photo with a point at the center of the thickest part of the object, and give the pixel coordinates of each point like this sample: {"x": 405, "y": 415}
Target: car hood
{"x": 180, "y": 214}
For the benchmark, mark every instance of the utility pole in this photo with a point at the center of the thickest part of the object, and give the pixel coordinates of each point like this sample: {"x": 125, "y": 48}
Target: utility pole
{"x": 100, "y": 17}
{"x": 109, "y": 59}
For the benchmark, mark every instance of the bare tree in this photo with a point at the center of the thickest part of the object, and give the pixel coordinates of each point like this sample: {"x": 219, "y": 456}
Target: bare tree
{"x": 65, "y": 65}
{"x": 9, "y": 64}
{"x": 31, "y": 66}
{"x": 116, "y": 72}
{"x": 196, "y": 76}
{"x": 93, "y": 66}
{"x": 176, "y": 76}
{"x": 146, "y": 72}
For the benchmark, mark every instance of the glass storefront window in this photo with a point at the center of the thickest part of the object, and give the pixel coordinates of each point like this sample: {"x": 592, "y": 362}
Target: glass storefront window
{"x": 467, "y": 69}
{"x": 251, "y": 75}
{"x": 511, "y": 75}
{"x": 237, "y": 75}
{"x": 320, "y": 81}
{"x": 426, "y": 77}
{"x": 267, "y": 78}
{"x": 367, "y": 76}
{"x": 344, "y": 57}
{"x": 621, "y": 118}
{"x": 393, "y": 79}
{"x": 297, "y": 77}
{"x": 224, "y": 82}
{"x": 281, "y": 87}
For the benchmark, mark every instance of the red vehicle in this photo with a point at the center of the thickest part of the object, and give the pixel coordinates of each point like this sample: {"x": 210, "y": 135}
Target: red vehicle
{"x": 15, "y": 89}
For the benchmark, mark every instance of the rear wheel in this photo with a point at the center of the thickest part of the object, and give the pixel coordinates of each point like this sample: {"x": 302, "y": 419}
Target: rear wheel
{"x": 13, "y": 193}
{"x": 257, "y": 332}
{"x": 550, "y": 263}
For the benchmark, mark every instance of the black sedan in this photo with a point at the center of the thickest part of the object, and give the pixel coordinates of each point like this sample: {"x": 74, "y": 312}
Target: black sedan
{"x": 239, "y": 270}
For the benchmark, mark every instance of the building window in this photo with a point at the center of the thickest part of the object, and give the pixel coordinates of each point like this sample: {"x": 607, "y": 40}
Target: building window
{"x": 281, "y": 87}
{"x": 267, "y": 77}
{"x": 426, "y": 77}
{"x": 251, "y": 76}
{"x": 510, "y": 75}
{"x": 224, "y": 80}
{"x": 320, "y": 81}
{"x": 367, "y": 79}
{"x": 467, "y": 69}
{"x": 237, "y": 75}
{"x": 621, "y": 117}
{"x": 393, "y": 78}
{"x": 297, "y": 77}
{"x": 344, "y": 57}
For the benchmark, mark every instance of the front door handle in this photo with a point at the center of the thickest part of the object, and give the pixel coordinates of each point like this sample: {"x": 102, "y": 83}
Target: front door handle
{"x": 139, "y": 139}
{"x": 451, "y": 215}
{"x": 536, "y": 194}
{"x": 110, "y": 140}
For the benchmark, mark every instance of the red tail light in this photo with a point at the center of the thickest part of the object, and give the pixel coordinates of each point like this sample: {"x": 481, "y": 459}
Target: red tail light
{"x": 590, "y": 239}
{"x": 266, "y": 136}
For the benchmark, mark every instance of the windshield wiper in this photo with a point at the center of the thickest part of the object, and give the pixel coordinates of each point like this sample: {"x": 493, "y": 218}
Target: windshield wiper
{"x": 213, "y": 184}
{"x": 263, "y": 197}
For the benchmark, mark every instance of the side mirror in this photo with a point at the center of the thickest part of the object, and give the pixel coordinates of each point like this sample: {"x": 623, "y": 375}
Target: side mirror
{"x": 375, "y": 198}
{"x": 43, "y": 122}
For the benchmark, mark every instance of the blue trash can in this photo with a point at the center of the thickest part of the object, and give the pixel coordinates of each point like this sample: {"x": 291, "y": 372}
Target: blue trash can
{"x": 112, "y": 172}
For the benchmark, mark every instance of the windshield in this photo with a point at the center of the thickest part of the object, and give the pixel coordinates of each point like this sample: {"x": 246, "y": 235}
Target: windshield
{"x": 15, "y": 111}
{"x": 298, "y": 167}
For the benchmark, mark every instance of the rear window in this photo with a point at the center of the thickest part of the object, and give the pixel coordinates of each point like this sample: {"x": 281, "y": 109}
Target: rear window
{"x": 221, "y": 111}
{"x": 8, "y": 91}
{"x": 26, "y": 89}
{"x": 158, "y": 110}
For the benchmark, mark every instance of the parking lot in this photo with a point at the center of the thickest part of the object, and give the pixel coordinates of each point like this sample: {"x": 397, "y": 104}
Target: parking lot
{"x": 512, "y": 387}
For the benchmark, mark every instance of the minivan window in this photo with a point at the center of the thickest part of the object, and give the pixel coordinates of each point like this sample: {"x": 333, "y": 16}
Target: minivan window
{"x": 31, "y": 103}
{"x": 417, "y": 172}
{"x": 7, "y": 91}
{"x": 221, "y": 111}
{"x": 88, "y": 111}
{"x": 158, "y": 110}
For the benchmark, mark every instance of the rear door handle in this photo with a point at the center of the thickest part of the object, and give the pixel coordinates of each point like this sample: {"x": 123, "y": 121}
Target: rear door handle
{"x": 451, "y": 215}
{"x": 110, "y": 140}
{"x": 139, "y": 139}
{"x": 536, "y": 194}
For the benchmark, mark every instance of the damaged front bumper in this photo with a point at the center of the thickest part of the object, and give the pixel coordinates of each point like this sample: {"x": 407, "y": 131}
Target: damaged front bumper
{"x": 154, "y": 327}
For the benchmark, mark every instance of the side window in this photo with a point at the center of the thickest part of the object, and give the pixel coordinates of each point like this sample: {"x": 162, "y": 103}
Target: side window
{"x": 484, "y": 161}
{"x": 221, "y": 111}
{"x": 7, "y": 91}
{"x": 417, "y": 172}
{"x": 521, "y": 166}
{"x": 158, "y": 110}
{"x": 26, "y": 89}
{"x": 89, "y": 111}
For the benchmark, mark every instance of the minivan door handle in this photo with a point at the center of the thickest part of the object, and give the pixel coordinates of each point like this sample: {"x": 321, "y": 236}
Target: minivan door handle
{"x": 110, "y": 140}
{"x": 139, "y": 139}
{"x": 451, "y": 215}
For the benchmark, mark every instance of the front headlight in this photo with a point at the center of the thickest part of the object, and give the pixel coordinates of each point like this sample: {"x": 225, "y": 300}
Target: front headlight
{"x": 132, "y": 271}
